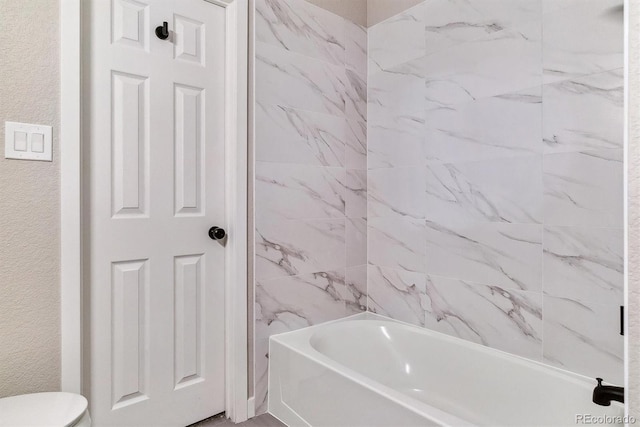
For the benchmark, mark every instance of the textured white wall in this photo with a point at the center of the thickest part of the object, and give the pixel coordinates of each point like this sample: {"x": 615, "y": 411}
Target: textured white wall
{"x": 29, "y": 202}
{"x": 633, "y": 181}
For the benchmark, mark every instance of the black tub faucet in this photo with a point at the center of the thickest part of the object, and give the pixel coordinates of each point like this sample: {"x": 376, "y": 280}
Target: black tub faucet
{"x": 604, "y": 394}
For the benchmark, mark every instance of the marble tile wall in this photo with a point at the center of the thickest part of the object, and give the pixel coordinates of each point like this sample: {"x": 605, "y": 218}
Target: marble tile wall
{"x": 495, "y": 134}
{"x": 310, "y": 171}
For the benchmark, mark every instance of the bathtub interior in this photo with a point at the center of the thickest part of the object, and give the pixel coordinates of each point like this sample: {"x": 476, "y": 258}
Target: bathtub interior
{"x": 434, "y": 373}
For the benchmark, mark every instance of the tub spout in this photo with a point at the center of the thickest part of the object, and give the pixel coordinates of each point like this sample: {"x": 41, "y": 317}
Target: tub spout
{"x": 604, "y": 394}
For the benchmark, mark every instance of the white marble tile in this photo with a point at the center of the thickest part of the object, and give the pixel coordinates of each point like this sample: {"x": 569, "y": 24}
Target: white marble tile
{"x": 400, "y": 89}
{"x": 356, "y": 296}
{"x": 356, "y": 193}
{"x": 301, "y": 27}
{"x": 294, "y": 247}
{"x": 512, "y": 14}
{"x": 286, "y": 191}
{"x": 398, "y": 243}
{"x": 508, "y": 320}
{"x": 397, "y": 40}
{"x": 584, "y": 338}
{"x": 396, "y": 192}
{"x": 356, "y": 48}
{"x": 356, "y": 237}
{"x": 503, "y": 190}
{"x": 502, "y": 126}
{"x": 356, "y": 145}
{"x": 287, "y": 135}
{"x": 586, "y": 264}
{"x": 451, "y": 22}
{"x": 505, "y": 62}
{"x": 293, "y": 80}
{"x": 401, "y": 295}
{"x": 583, "y": 39}
{"x": 505, "y": 255}
{"x": 585, "y": 113}
{"x": 356, "y": 96}
{"x": 584, "y": 189}
{"x": 395, "y": 139}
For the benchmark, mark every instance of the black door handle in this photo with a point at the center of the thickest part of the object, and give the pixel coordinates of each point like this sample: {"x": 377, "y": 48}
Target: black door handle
{"x": 217, "y": 233}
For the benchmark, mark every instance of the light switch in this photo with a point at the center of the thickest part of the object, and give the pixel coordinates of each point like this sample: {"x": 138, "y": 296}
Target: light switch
{"x": 37, "y": 143}
{"x": 25, "y": 141}
{"x": 20, "y": 143}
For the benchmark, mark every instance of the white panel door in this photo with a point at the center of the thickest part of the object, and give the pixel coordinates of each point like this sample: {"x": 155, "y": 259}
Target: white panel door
{"x": 156, "y": 176}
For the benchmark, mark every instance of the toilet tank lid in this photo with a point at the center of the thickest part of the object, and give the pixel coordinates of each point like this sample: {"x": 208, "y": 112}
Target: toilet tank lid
{"x": 42, "y": 409}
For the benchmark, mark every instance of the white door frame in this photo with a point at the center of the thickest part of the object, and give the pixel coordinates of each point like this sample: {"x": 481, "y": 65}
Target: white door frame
{"x": 71, "y": 195}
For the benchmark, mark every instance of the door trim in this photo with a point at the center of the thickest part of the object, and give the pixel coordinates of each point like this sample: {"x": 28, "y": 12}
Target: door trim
{"x": 73, "y": 335}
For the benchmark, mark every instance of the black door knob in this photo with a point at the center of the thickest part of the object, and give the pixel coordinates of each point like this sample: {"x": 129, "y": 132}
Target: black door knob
{"x": 217, "y": 233}
{"x": 162, "y": 31}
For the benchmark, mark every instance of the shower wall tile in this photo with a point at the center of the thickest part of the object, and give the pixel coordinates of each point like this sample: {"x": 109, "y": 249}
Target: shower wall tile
{"x": 399, "y": 294}
{"x": 505, "y": 255}
{"x": 505, "y": 62}
{"x": 511, "y": 14}
{"x": 584, "y": 338}
{"x": 287, "y": 135}
{"x": 596, "y": 119}
{"x": 584, "y": 188}
{"x": 584, "y": 263}
{"x": 396, "y": 192}
{"x": 400, "y": 89}
{"x": 478, "y": 191}
{"x": 301, "y": 27}
{"x": 356, "y": 194}
{"x": 502, "y": 126}
{"x": 296, "y": 81}
{"x": 310, "y": 199}
{"x": 396, "y": 139}
{"x": 297, "y": 192}
{"x": 505, "y": 319}
{"x": 585, "y": 38}
{"x": 356, "y": 239}
{"x": 397, "y": 243}
{"x": 356, "y": 48}
{"x": 294, "y": 247}
{"x": 398, "y": 39}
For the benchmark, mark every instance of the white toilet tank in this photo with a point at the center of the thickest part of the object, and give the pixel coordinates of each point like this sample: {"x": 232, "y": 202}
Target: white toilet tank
{"x": 45, "y": 410}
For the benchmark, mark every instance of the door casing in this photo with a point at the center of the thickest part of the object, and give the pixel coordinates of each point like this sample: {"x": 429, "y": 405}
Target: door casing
{"x": 74, "y": 377}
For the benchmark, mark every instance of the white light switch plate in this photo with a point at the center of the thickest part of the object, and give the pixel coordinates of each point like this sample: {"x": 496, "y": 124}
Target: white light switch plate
{"x": 38, "y": 142}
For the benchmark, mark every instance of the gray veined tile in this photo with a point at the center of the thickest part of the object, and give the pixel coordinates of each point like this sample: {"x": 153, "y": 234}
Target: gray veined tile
{"x": 294, "y": 247}
{"x": 396, "y": 192}
{"x": 301, "y": 27}
{"x": 397, "y": 40}
{"x": 583, "y": 39}
{"x": 504, "y": 255}
{"x": 401, "y": 295}
{"x": 395, "y": 139}
{"x": 356, "y": 95}
{"x": 505, "y": 319}
{"x": 584, "y": 188}
{"x": 297, "y": 191}
{"x": 397, "y": 243}
{"x": 356, "y": 144}
{"x": 356, "y": 48}
{"x": 287, "y": 135}
{"x": 400, "y": 89}
{"x": 501, "y": 126}
{"x": 296, "y": 81}
{"x": 356, "y": 289}
{"x": 356, "y": 237}
{"x": 584, "y": 338}
{"x": 504, "y": 190}
{"x": 584, "y": 113}
{"x": 356, "y": 193}
{"x": 513, "y": 14}
{"x": 584, "y": 263}
{"x": 505, "y": 62}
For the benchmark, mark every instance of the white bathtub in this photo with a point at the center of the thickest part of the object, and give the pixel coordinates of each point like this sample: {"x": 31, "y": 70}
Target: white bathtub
{"x": 371, "y": 371}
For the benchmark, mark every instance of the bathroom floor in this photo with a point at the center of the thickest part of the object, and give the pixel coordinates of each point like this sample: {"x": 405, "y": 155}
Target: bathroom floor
{"x": 264, "y": 420}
